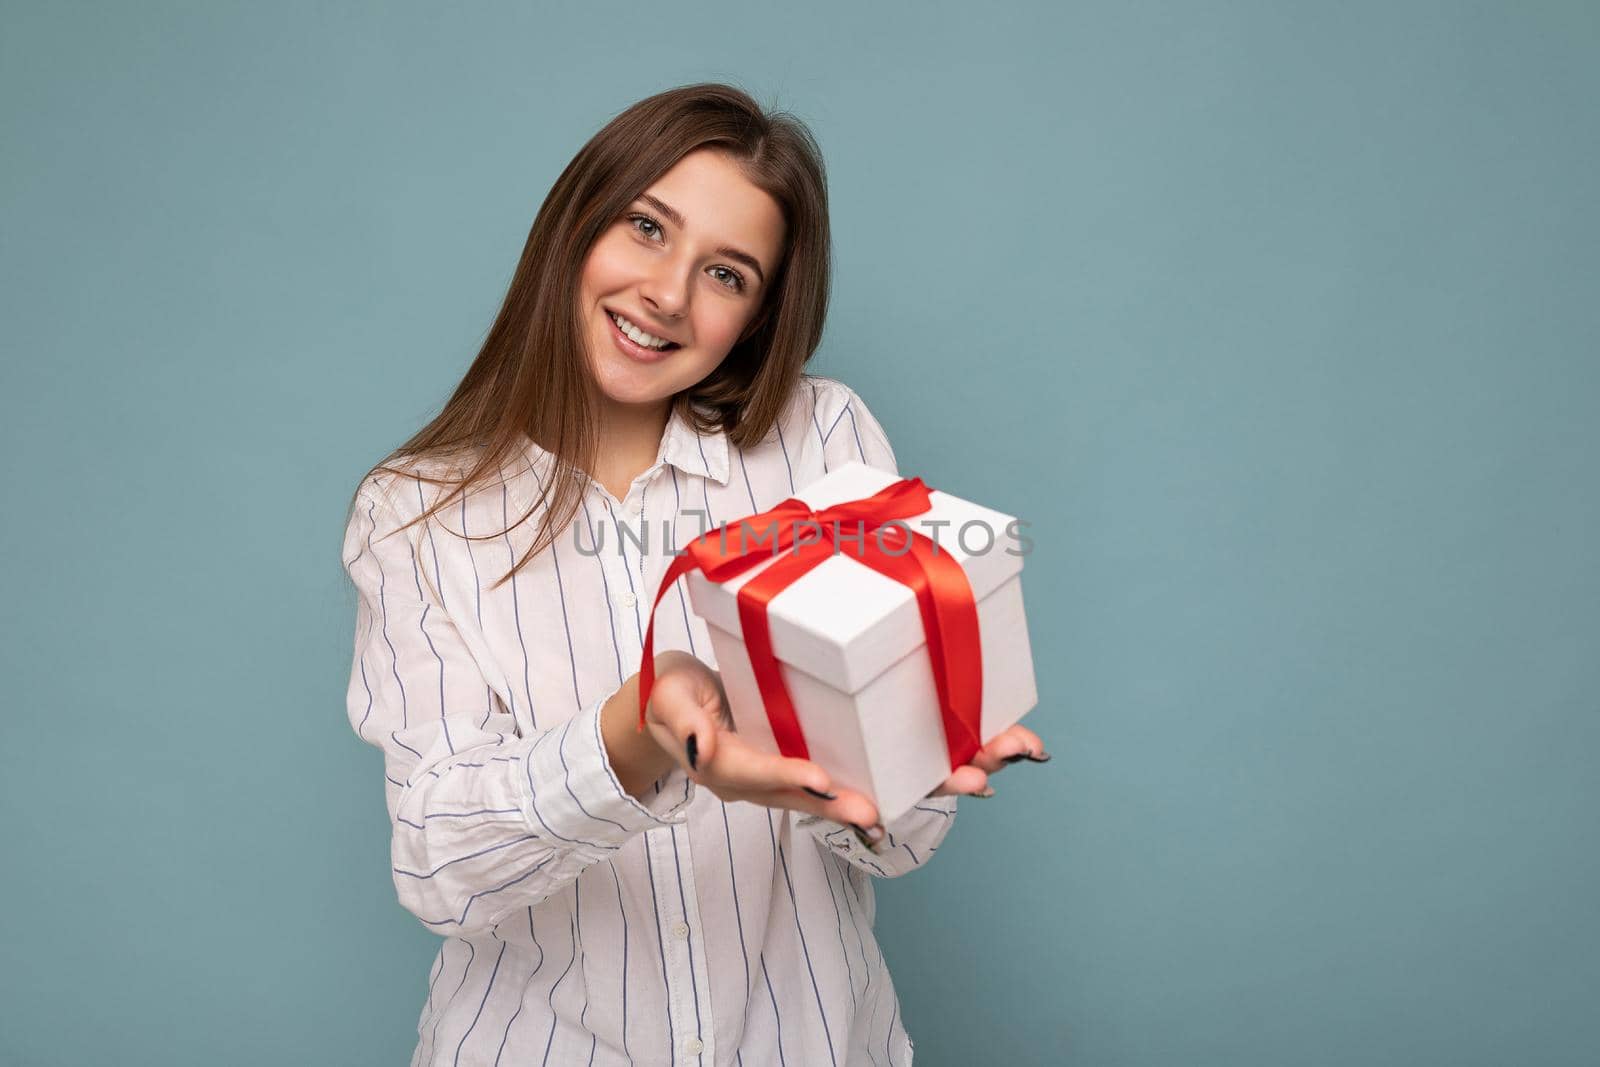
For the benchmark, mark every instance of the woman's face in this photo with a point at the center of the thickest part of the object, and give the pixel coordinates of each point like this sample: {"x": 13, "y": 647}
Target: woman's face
{"x": 696, "y": 280}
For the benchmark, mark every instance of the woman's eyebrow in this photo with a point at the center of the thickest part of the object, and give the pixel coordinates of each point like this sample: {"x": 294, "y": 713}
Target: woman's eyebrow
{"x": 677, "y": 220}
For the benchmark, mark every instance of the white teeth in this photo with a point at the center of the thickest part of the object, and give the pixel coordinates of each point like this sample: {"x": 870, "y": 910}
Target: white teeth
{"x": 637, "y": 335}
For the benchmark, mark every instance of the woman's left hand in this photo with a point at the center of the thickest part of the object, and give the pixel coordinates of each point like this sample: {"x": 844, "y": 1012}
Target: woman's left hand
{"x": 1010, "y": 746}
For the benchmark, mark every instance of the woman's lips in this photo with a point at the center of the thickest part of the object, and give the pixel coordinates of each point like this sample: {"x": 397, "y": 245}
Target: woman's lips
{"x": 632, "y": 350}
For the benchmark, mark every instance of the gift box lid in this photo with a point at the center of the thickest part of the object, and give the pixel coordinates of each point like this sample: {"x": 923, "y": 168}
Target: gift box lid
{"x": 844, "y": 622}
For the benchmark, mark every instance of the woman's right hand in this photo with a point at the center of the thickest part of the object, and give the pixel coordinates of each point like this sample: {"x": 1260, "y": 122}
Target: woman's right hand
{"x": 689, "y": 719}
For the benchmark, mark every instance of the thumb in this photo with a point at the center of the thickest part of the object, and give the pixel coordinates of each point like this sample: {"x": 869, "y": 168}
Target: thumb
{"x": 685, "y": 726}
{"x": 700, "y": 735}
{"x": 706, "y": 720}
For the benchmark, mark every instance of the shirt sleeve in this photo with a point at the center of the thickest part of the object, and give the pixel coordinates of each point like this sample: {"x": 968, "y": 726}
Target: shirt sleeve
{"x": 908, "y": 842}
{"x": 852, "y": 432}
{"x": 486, "y": 817}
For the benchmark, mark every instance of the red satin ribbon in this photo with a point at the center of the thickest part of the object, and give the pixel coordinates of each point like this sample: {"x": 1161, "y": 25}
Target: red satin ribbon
{"x": 944, "y": 597}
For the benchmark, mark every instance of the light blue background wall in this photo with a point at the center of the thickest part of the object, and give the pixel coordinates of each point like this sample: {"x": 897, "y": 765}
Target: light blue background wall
{"x": 1278, "y": 321}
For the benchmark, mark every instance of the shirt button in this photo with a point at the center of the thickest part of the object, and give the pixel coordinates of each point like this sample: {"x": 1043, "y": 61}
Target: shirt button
{"x": 627, "y": 600}
{"x": 694, "y": 1046}
{"x": 680, "y": 929}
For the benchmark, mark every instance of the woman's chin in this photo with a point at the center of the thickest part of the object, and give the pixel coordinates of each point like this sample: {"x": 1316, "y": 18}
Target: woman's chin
{"x": 629, "y": 393}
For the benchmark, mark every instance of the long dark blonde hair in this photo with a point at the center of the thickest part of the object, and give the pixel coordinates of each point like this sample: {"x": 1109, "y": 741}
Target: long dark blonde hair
{"x": 530, "y": 378}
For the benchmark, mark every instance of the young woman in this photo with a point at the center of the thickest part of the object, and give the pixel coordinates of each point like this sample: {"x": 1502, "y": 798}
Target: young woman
{"x": 602, "y": 896}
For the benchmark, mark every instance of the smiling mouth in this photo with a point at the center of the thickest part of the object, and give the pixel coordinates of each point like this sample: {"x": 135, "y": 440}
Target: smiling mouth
{"x": 619, "y": 320}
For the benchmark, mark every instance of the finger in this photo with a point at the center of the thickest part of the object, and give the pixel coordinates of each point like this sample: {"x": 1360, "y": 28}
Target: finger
{"x": 714, "y": 699}
{"x": 966, "y": 780}
{"x": 841, "y": 806}
{"x": 739, "y": 766}
{"x": 687, "y": 740}
{"x": 853, "y": 807}
{"x": 1032, "y": 743}
{"x": 677, "y": 712}
{"x": 1011, "y": 745}
{"x": 676, "y": 747}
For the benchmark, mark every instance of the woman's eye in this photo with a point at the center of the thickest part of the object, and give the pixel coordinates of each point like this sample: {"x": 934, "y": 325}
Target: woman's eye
{"x": 733, "y": 280}
{"x": 648, "y": 221}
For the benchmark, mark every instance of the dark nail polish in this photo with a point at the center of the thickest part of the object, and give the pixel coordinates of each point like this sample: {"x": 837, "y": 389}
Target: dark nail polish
{"x": 863, "y": 836}
{"x": 824, "y": 796}
{"x": 692, "y": 747}
{"x": 1017, "y": 758}
{"x": 1040, "y": 759}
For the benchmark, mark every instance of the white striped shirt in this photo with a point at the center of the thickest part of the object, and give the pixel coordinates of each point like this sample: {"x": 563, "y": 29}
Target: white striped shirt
{"x": 579, "y": 925}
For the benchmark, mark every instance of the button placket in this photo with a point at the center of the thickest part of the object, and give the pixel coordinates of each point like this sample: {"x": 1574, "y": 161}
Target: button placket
{"x": 686, "y": 975}
{"x": 625, "y": 595}
{"x": 617, "y": 586}
{"x": 636, "y": 506}
{"x": 671, "y": 859}
{"x": 696, "y": 928}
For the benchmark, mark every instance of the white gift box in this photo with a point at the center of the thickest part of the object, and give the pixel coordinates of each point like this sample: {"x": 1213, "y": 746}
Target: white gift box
{"x": 853, "y": 654}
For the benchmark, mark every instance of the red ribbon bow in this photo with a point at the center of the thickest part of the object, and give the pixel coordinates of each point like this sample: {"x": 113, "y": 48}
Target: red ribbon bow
{"x": 944, "y": 597}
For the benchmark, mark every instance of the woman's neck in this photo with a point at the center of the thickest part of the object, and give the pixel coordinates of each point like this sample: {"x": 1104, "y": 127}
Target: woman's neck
{"x": 630, "y": 439}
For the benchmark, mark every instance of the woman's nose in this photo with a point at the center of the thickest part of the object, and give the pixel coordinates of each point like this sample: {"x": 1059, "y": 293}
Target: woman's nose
{"x": 667, "y": 291}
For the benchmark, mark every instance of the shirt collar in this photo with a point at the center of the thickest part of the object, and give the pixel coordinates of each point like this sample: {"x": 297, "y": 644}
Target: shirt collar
{"x": 693, "y": 452}
{"x": 682, "y": 446}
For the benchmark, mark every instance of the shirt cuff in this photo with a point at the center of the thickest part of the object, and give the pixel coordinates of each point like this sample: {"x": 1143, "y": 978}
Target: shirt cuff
{"x": 907, "y": 842}
{"x": 571, "y": 792}
{"x": 843, "y": 842}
